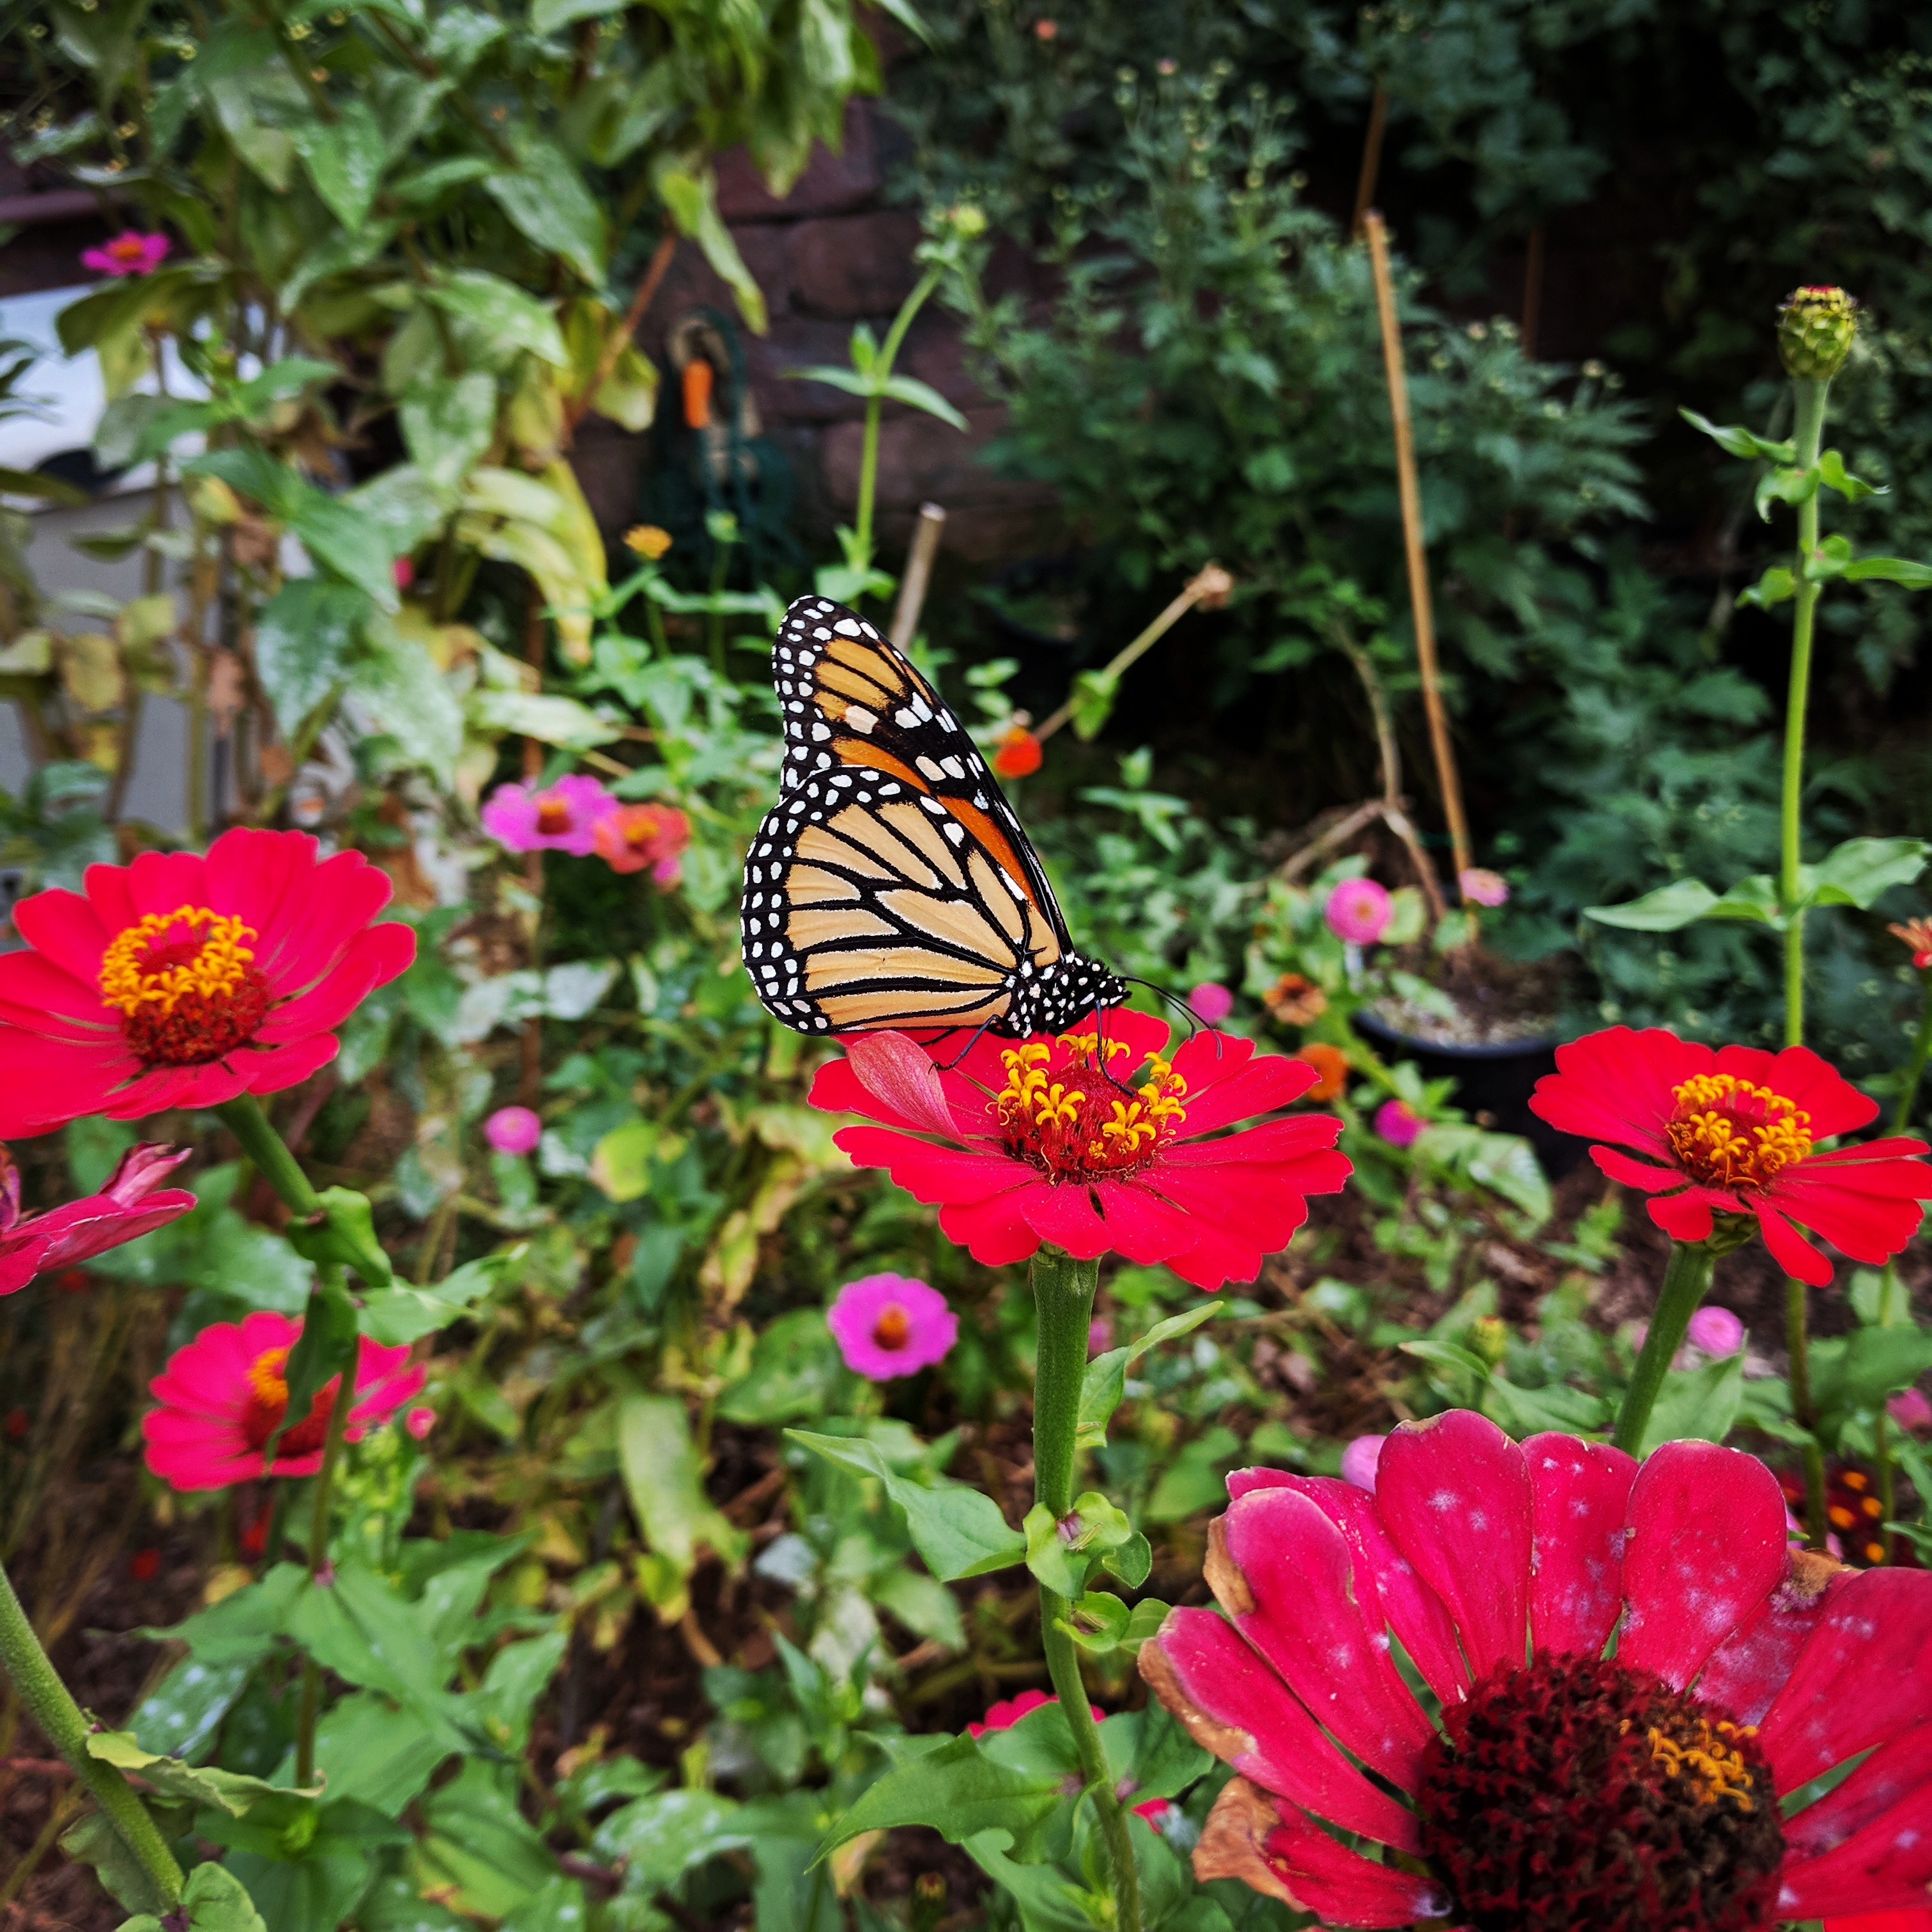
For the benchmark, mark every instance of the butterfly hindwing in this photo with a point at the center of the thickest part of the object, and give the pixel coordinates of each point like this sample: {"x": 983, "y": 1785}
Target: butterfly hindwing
{"x": 892, "y": 885}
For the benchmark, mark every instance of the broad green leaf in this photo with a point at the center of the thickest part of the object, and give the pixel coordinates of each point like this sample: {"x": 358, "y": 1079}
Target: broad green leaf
{"x": 691, "y": 199}
{"x": 396, "y": 682}
{"x": 1833, "y": 474}
{"x": 1132, "y": 1560}
{"x": 958, "y": 1532}
{"x": 343, "y": 539}
{"x": 664, "y": 1476}
{"x": 1101, "y": 1622}
{"x": 379, "y": 1750}
{"x": 1858, "y": 1372}
{"x": 661, "y": 1837}
{"x": 447, "y": 425}
{"x": 552, "y": 720}
{"x": 548, "y": 15}
{"x": 212, "y": 1901}
{"x": 853, "y": 381}
{"x": 1698, "y": 1405}
{"x": 923, "y": 396}
{"x": 168, "y": 1778}
{"x": 1737, "y": 441}
{"x": 1783, "y": 486}
{"x": 954, "y": 1789}
{"x": 1105, "y": 1381}
{"x": 545, "y": 197}
{"x": 1889, "y": 570}
{"x": 405, "y": 1314}
{"x": 1666, "y": 910}
{"x": 303, "y": 635}
{"x": 345, "y": 159}
{"x": 620, "y": 1163}
{"x": 795, "y": 1372}
{"x": 479, "y": 1846}
{"x": 1049, "y": 1555}
{"x": 1093, "y": 700}
{"x": 500, "y": 311}
{"x": 1449, "y": 1355}
{"x": 1858, "y": 871}
{"x": 1525, "y": 1411}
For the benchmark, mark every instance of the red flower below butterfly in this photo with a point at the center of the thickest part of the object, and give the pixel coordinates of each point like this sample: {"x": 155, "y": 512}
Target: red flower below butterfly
{"x": 1737, "y": 1130}
{"x": 182, "y": 981}
{"x": 1048, "y": 1142}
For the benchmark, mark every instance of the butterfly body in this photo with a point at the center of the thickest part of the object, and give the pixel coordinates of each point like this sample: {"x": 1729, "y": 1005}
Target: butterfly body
{"x": 892, "y": 886}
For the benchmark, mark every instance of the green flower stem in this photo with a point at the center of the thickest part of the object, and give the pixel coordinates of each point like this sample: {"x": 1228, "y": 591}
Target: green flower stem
{"x": 1810, "y": 431}
{"x": 244, "y": 1119}
{"x": 1063, "y": 1290}
{"x": 1797, "y": 1347}
{"x": 868, "y": 460}
{"x": 1914, "y": 1064}
{"x": 56, "y": 1713}
{"x": 318, "y": 1559}
{"x": 1686, "y": 1281}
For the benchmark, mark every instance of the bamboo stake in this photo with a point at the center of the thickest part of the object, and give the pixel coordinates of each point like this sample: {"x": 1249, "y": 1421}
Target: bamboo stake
{"x": 1418, "y": 561}
{"x": 1371, "y": 159}
{"x": 918, "y": 573}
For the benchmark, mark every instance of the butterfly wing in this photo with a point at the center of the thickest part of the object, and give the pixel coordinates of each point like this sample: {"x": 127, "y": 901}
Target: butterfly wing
{"x": 892, "y": 885}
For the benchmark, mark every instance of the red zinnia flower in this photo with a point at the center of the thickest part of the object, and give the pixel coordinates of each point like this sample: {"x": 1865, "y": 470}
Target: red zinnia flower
{"x": 633, "y": 836}
{"x": 1738, "y": 1129}
{"x": 1574, "y": 1792}
{"x": 182, "y": 981}
{"x": 225, "y": 1393}
{"x": 1018, "y": 754}
{"x": 127, "y": 1206}
{"x": 1045, "y": 1141}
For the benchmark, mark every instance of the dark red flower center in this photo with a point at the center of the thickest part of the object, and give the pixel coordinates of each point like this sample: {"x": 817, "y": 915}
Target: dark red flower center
{"x": 1726, "y": 1132}
{"x": 268, "y": 1403}
{"x": 186, "y": 984}
{"x": 554, "y": 818}
{"x": 1579, "y": 1794}
{"x": 893, "y": 1329}
{"x": 1066, "y": 1115}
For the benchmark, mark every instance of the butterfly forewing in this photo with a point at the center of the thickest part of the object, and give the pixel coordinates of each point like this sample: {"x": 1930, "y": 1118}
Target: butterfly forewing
{"x": 892, "y": 886}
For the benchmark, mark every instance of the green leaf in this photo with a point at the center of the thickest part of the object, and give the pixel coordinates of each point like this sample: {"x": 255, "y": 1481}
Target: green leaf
{"x": 546, "y": 198}
{"x": 345, "y": 1233}
{"x": 409, "y": 699}
{"x": 212, "y": 1901}
{"x": 1102, "y": 1386}
{"x": 954, "y": 1789}
{"x": 1131, "y": 1561}
{"x": 1858, "y": 1373}
{"x": 795, "y": 1372}
{"x": 1101, "y": 1622}
{"x": 303, "y": 637}
{"x": 228, "y": 1791}
{"x": 1049, "y": 1555}
{"x": 1890, "y": 570}
{"x": 1737, "y": 441}
{"x": 342, "y": 539}
{"x": 1525, "y": 1411}
{"x": 1857, "y": 872}
{"x": 553, "y": 720}
{"x": 661, "y": 1837}
{"x": 621, "y": 1163}
{"x": 1776, "y": 586}
{"x": 1833, "y": 474}
{"x": 502, "y": 312}
{"x": 1697, "y": 1405}
{"x": 1783, "y": 486}
{"x": 405, "y": 1314}
{"x": 1666, "y": 910}
{"x": 345, "y": 159}
{"x": 1093, "y": 700}
{"x": 548, "y": 15}
{"x": 448, "y": 426}
{"x": 923, "y": 396}
{"x": 663, "y": 1475}
{"x": 959, "y": 1532}
{"x": 854, "y": 383}
{"x": 480, "y": 1846}
{"x": 1449, "y": 1355}
{"x": 325, "y": 1348}
{"x": 691, "y": 197}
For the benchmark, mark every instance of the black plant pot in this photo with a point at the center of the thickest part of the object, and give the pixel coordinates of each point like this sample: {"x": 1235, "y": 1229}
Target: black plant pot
{"x": 1493, "y": 1084}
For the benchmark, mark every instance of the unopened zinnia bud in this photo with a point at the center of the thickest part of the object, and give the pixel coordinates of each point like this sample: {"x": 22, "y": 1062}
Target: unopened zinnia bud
{"x": 1816, "y": 327}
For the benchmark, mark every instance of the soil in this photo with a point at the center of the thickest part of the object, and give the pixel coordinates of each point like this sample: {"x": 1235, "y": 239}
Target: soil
{"x": 1498, "y": 1002}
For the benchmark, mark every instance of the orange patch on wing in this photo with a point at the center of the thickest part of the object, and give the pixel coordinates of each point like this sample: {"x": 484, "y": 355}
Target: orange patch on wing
{"x": 856, "y": 751}
{"x": 985, "y": 828}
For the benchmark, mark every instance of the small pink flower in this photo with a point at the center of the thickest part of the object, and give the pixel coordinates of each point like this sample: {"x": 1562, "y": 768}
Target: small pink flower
{"x": 1359, "y": 1461}
{"x": 1357, "y": 911}
{"x": 1399, "y": 1123}
{"x": 561, "y": 817}
{"x": 129, "y": 253}
{"x": 1717, "y": 1331}
{"x": 1210, "y": 1003}
{"x": 403, "y": 570}
{"x": 888, "y": 1325}
{"x": 1481, "y": 886}
{"x": 631, "y": 837}
{"x": 225, "y": 1393}
{"x": 1099, "y": 1335}
{"x": 1910, "y": 1410}
{"x": 128, "y": 1206}
{"x": 513, "y": 1129}
{"x": 420, "y": 1420}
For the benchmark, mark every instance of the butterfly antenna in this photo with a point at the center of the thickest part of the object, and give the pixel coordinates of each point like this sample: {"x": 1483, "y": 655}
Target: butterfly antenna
{"x": 1180, "y": 1006}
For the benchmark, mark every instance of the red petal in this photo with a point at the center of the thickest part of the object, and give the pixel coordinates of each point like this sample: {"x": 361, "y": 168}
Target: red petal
{"x": 1620, "y": 1167}
{"x": 1835, "y": 1105}
{"x": 1257, "y": 1087}
{"x": 1683, "y": 1217}
{"x": 1341, "y": 1887}
{"x": 37, "y": 996}
{"x": 1579, "y": 1495}
{"x": 1887, "y": 1865}
{"x": 1706, "y": 1550}
{"x": 1255, "y": 1724}
{"x": 65, "y": 927}
{"x": 373, "y": 958}
{"x": 46, "y": 1083}
{"x": 1454, "y": 1493}
{"x": 1307, "y": 1622}
{"x": 1749, "y": 1667}
{"x": 897, "y": 1073}
{"x": 160, "y": 882}
{"x": 1895, "y": 1771}
{"x": 1615, "y": 1085}
{"x": 1790, "y": 1249}
{"x": 995, "y": 1231}
{"x": 933, "y": 1174}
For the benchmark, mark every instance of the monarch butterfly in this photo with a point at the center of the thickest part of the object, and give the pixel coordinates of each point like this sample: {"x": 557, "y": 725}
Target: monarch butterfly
{"x": 891, "y": 886}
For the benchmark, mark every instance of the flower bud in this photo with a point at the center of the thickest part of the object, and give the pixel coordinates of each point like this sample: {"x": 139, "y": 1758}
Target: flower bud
{"x": 1816, "y": 327}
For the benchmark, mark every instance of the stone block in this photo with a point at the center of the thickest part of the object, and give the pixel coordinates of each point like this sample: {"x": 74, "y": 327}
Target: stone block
{"x": 794, "y": 344}
{"x": 921, "y": 460}
{"x": 852, "y": 265}
{"x": 830, "y": 184}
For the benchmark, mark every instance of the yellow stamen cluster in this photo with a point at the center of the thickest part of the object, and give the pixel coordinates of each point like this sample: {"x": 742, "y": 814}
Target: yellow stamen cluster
{"x": 1073, "y": 1118}
{"x": 1714, "y": 1768}
{"x": 1729, "y": 1133}
{"x": 137, "y": 969}
{"x": 268, "y": 1378}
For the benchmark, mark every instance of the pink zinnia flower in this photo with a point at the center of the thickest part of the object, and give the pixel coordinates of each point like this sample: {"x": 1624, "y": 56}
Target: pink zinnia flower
{"x": 1358, "y": 911}
{"x": 128, "y": 1206}
{"x": 1717, "y": 1331}
{"x": 129, "y": 253}
{"x": 1575, "y": 1790}
{"x": 514, "y": 1130}
{"x": 420, "y": 1420}
{"x": 888, "y": 1325}
{"x": 1211, "y": 1002}
{"x": 1910, "y": 1410}
{"x": 1019, "y": 1144}
{"x": 1361, "y": 1460}
{"x": 182, "y": 981}
{"x": 1399, "y": 1123}
{"x": 1481, "y": 887}
{"x": 561, "y": 817}
{"x": 630, "y": 837}
{"x": 1009, "y": 1710}
{"x": 224, "y": 1394}
{"x": 1737, "y": 1130}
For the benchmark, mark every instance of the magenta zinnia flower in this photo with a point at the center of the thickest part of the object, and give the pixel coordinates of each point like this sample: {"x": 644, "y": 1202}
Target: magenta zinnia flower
{"x": 1358, "y": 910}
{"x": 514, "y": 1130}
{"x": 225, "y": 1393}
{"x": 1737, "y": 1130}
{"x": 128, "y": 1206}
{"x": 1399, "y": 1123}
{"x": 182, "y": 981}
{"x": 1019, "y": 1144}
{"x": 130, "y": 253}
{"x": 561, "y": 817}
{"x": 1560, "y": 1790}
{"x": 888, "y": 1325}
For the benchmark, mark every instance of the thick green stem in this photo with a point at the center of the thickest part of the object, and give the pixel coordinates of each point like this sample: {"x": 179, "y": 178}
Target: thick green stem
{"x": 1063, "y": 1291}
{"x": 61, "y": 1718}
{"x": 1810, "y": 393}
{"x": 1887, "y": 1291}
{"x": 1685, "y": 1282}
{"x": 318, "y": 1559}
{"x": 244, "y": 1119}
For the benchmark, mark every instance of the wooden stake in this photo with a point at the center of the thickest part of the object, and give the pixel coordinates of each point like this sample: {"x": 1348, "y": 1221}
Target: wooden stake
{"x": 1532, "y": 293}
{"x": 918, "y": 573}
{"x": 1418, "y": 561}
{"x": 1371, "y": 159}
